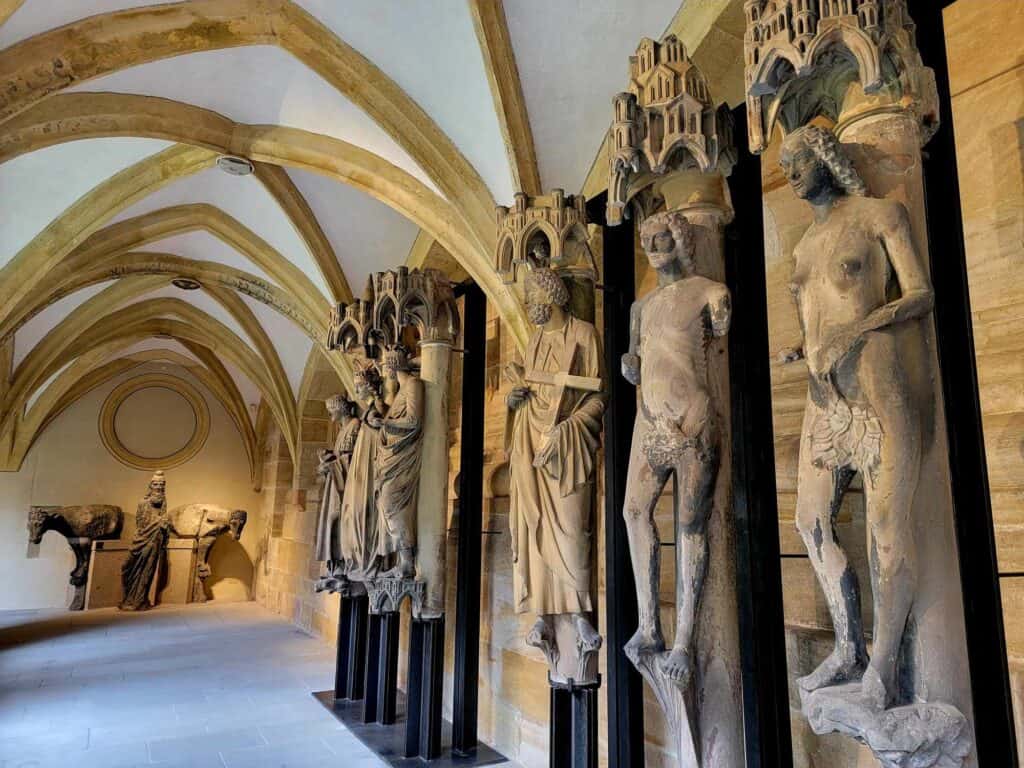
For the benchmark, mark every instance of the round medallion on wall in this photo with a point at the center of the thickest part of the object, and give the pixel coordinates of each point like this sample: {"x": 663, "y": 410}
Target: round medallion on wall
{"x": 155, "y": 421}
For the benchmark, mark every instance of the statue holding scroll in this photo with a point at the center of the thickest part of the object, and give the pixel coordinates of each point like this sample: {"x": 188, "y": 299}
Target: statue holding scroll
{"x": 333, "y": 467}
{"x": 398, "y": 465}
{"x": 556, "y": 407}
{"x": 676, "y": 432}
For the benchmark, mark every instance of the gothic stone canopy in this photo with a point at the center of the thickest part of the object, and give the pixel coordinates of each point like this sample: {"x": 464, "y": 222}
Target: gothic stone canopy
{"x": 801, "y": 56}
{"x": 392, "y": 302}
{"x": 667, "y": 121}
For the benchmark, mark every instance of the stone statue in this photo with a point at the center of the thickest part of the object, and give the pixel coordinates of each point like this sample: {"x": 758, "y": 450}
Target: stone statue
{"x": 676, "y": 432}
{"x": 858, "y": 284}
{"x": 333, "y": 467}
{"x": 149, "y": 546}
{"x": 398, "y": 465}
{"x": 359, "y": 518}
{"x": 204, "y": 523}
{"x": 556, "y": 407}
{"x": 81, "y": 526}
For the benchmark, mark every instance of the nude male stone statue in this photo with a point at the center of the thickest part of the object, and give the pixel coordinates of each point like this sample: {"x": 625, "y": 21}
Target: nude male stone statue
{"x": 676, "y": 432}
{"x": 859, "y": 284}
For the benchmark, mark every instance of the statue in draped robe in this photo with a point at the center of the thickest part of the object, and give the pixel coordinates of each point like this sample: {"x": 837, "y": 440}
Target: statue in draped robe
{"x": 556, "y": 408}
{"x": 149, "y": 546}
{"x": 359, "y": 518}
{"x": 398, "y": 465}
{"x": 333, "y": 467}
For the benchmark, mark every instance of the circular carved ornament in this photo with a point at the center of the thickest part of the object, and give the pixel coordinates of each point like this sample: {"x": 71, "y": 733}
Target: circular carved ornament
{"x": 121, "y": 393}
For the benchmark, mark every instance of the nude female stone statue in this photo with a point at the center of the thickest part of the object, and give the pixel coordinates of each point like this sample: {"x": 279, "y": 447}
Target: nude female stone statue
{"x": 675, "y": 431}
{"x": 398, "y": 465}
{"x": 859, "y": 283}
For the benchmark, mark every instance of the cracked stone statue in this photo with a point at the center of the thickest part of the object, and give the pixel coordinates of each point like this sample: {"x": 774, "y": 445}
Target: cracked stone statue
{"x": 149, "y": 546}
{"x": 334, "y": 467}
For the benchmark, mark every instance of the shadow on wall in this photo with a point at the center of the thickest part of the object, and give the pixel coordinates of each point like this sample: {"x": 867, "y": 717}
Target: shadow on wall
{"x": 232, "y": 572}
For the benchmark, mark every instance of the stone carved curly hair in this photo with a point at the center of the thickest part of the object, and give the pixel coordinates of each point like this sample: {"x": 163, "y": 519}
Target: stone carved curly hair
{"x": 340, "y": 404}
{"x": 548, "y": 281}
{"x": 826, "y": 147}
{"x": 678, "y": 225}
{"x": 366, "y": 376}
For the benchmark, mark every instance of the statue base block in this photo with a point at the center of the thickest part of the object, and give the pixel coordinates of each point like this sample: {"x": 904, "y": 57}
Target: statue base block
{"x": 677, "y": 704}
{"x": 919, "y": 735}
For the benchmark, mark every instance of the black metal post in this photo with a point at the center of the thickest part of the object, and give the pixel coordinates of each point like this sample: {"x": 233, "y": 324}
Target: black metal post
{"x": 758, "y": 567}
{"x": 359, "y": 608}
{"x": 979, "y": 571}
{"x": 471, "y": 478}
{"x": 560, "y": 726}
{"x": 625, "y": 686}
{"x": 344, "y": 650}
{"x": 372, "y": 677}
{"x": 584, "y": 727}
{"x": 387, "y": 669}
{"x": 414, "y": 689}
{"x": 432, "y": 688}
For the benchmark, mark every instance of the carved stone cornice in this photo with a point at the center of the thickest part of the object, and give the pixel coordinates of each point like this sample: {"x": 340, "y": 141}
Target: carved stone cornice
{"x": 802, "y": 56}
{"x": 666, "y": 122}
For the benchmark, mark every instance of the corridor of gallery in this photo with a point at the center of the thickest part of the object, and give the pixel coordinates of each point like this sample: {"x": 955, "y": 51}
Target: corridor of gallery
{"x": 203, "y": 686}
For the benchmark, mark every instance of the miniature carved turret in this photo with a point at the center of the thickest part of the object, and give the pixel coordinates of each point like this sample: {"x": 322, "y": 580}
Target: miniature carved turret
{"x": 667, "y": 121}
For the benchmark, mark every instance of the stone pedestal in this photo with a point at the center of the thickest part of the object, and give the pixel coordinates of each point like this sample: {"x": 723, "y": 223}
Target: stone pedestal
{"x": 172, "y": 586}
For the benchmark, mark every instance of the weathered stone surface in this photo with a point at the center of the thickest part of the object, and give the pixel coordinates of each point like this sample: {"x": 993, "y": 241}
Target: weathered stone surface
{"x": 204, "y": 523}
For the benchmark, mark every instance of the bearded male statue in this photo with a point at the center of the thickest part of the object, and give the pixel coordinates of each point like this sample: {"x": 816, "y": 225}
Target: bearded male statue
{"x": 149, "y": 546}
{"x": 556, "y": 408}
{"x": 676, "y": 433}
{"x": 333, "y": 467}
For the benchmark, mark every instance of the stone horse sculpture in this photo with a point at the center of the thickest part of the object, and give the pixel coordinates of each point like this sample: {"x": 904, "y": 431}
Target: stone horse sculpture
{"x": 204, "y": 523}
{"x": 80, "y": 526}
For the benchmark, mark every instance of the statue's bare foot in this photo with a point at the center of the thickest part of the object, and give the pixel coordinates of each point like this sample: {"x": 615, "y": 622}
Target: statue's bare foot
{"x": 838, "y": 668}
{"x": 587, "y": 637}
{"x": 644, "y": 641}
{"x": 677, "y": 667}
{"x": 873, "y": 689}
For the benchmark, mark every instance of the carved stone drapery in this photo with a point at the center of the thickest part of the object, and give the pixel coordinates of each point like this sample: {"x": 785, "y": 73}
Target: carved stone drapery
{"x": 402, "y": 309}
{"x": 671, "y": 149}
{"x": 853, "y": 69}
{"x": 548, "y": 231}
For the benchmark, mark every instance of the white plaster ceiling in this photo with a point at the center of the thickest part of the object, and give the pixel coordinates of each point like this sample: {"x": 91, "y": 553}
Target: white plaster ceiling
{"x": 200, "y": 245}
{"x": 343, "y": 212}
{"x": 430, "y": 50}
{"x": 202, "y": 301}
{"x": 37, "y": 187}
{"x": 285, "y": 93}
{"x": 243, "y": 198}
{"x": 573, "y": 57}
{"x": 32, "y": 332}
{"x": 34, "y": 17}
{"x": 38, "y": 392}
{"x": 293, "y": 346}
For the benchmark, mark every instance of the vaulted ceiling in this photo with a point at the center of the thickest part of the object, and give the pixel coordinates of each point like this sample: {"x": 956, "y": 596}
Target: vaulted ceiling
{"x": 380, "y": 131}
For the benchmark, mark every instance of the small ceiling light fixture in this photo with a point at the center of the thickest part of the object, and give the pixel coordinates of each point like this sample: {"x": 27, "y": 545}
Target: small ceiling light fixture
{"x": 234, "y": 165}
{"x": 186, "y": 283}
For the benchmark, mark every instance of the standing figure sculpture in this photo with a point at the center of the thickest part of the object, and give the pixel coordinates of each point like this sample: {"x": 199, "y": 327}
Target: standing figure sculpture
{"x": 398, "y": 465}
{"x": 149, "y": 546}
{"x": 333, "y": 467}
{"x": 676, "y": 432}
{"x": 859, "y": 285}
{"x": 359, "y": 518}
{"x": 556, "y": 408}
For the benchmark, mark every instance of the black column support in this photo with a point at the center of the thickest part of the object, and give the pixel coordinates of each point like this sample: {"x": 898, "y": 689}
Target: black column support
{"x": 979, "y": 570}
{"x": 414, "y": 690}
{"x": 471, "y": 479}
{"x": 625, "y": 686}
{"x": 387, "y": 668}
{"x": 371, "y": 690}
{"x": 572, "y": 730}
{"x": 360, "y": 609}
{"x": 426, "y": 681}
{"x": 559, "y": 727}
{"x": 341, "y": 663}
{"x": 758, "y": 567}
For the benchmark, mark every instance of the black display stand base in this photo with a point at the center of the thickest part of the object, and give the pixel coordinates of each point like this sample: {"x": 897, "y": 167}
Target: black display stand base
{"x": 426, "y": 678}
{"x": 350, "y": 669}
{"x": 381, "y": 668}
{"x": 388, "y": 742}
{"x": 573, "y": 725}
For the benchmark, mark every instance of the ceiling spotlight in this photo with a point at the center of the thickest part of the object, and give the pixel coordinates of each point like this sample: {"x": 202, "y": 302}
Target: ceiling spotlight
{"x": 234, "y": 165}
{"x": 186, "y": 283}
